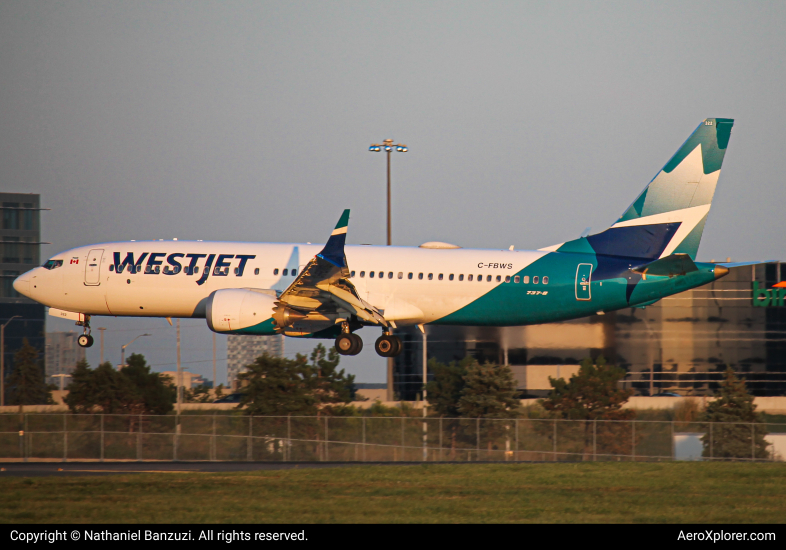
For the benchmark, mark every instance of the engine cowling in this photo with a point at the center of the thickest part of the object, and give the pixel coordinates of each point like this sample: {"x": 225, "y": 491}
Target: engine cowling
{"x": 234, "y": 309}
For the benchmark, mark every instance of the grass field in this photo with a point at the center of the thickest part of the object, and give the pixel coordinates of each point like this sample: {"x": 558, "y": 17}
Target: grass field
{"x": 439, "y": 493}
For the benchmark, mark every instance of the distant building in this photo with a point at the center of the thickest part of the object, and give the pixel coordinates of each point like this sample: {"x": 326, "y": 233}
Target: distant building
{"x": 682, "y": 344}
{"x": 243, "y": 351}
{"x": 62, "y": 355}
{"x": 20, "y": 240}
{"x": 189, "y": 379}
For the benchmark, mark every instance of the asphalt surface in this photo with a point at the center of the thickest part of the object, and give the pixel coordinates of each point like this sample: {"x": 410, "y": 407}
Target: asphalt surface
{"x": 42, "y": 469}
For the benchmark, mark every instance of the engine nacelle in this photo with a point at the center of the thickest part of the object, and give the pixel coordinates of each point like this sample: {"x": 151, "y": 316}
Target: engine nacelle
{"x": 235, "y": 309}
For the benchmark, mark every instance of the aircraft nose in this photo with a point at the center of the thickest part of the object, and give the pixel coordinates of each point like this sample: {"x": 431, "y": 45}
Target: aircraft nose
{"x": 22, "y": 285}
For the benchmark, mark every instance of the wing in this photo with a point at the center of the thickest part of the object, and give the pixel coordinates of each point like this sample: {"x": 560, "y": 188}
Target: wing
{"x": 323, "y": 286}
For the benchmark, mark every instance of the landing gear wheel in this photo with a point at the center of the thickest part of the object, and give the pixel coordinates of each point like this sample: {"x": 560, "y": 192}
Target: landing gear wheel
{"x": 357, "y": 344}
{"x": 85, "y": 340}
{"x": 388, "y": 345}
{"x": 349, "y": 344}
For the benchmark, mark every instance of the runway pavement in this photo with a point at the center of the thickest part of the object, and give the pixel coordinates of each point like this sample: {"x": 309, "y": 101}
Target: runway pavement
{"x": 41, "y": 469}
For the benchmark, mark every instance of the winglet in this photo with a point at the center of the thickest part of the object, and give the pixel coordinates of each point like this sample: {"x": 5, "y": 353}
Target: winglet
{"x": 334, "y": 249}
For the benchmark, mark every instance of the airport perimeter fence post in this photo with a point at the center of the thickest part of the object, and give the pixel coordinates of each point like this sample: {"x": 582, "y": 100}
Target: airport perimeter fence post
{"x": 102, "y": 436}
{"x": 517, "y": 439}
{"x": 440, "y": 438}
{"x": 65, "y": 438}
{"x": 139, "y": 440}
{"x": 753, "y": 441}
{"x": 673, "y": 445}
{"x": 477, "y": 439}
{"x": 250, "y": 440}
{"x": 327, "y": 452}
{"x": 402, "y": 438}
{"x": 364, "y": 439}
{"x": 213, "y": 441}
{"x": 712, "y": 455}
{"x": 22, "y": 432}
{"x": 555, "y": 440}
{"x": 289, "y": 437}
{"x": 425, "y": 436}
{"x": 594, "y": 440}
{"x": 633, "y": 440}
{"x": 175, "y": 438}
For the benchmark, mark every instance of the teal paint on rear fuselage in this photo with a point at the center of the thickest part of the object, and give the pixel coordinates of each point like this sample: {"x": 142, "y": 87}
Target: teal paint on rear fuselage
{"x": 510, "y": 304}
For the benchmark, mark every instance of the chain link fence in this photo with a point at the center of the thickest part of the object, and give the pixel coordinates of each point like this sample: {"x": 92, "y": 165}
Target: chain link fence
{"x": 217, "y": 437}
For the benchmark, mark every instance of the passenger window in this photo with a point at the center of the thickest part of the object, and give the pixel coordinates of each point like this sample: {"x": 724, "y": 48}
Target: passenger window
{"x": 362, "y": 274}
{"x": 526, "y": 279}
{"x": 440, "y": 276}
{"x": 293, "y": 272}
{"x": 535, "y": 280}
{"x": 516, "y": 279}
{"x": 430, "y": 276}
{"x": 450, "y": 277}
{"x": 351, "y": 273}
{"x": 545, "y": 280}
{"x": 275, "y": 271}
{"x": 469, "y": 277}
{"x": 196, "y": 269}
{"x": 420, "y": 276}
{"x": 390, "y": 274}
{"x": 499, "y": 278}
{"x": 256, "y": 271}
{"x": 400, "y": 275}
{"x": 285, "y": 272}
{"x": 381, "y": 274}
{"x": 409, "y": 276}
{"x": 237, "y": 271}
{"x": 488, "y": 278}
{"x": 461, "y": 277}
{"x": 111, "y": 267}
{"x": 507, "y": 278}
{"x": 371, "y": 274}
{"x": 480, "y": 278}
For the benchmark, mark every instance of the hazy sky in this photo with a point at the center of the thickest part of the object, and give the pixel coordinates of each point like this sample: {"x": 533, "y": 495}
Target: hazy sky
{"x": 526, "y": 122}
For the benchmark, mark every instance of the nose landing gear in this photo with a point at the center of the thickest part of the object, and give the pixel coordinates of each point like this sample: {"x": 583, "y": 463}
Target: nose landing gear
{"x": 85, "y": 340}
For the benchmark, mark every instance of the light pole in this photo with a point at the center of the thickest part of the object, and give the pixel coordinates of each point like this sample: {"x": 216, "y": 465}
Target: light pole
{"x": 2, "y": 360}
{"x": 123, "y": 350}
{"x": 102, "y": 329}
{"x": 388, "y": 147}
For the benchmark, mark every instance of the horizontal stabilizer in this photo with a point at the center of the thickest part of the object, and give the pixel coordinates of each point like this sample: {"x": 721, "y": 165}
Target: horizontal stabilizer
{"x": 670, "y": 266}
{"x": 742, "y": 264}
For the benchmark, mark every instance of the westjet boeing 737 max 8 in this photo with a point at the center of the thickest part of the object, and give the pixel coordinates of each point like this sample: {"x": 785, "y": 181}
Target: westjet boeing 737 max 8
{"x": 332, "y": 291}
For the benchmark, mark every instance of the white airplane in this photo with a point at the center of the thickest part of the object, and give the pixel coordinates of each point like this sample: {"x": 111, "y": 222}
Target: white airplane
{"x": 312, "y": 291}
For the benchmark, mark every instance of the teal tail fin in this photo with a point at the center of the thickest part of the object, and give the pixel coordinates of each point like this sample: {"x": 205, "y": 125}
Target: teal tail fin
{"x": 668, "y": 217}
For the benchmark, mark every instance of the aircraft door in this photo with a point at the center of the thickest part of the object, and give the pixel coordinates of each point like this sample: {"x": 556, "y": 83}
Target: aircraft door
{"x": 583, "y": 278}
{"x": 93, "y": 267}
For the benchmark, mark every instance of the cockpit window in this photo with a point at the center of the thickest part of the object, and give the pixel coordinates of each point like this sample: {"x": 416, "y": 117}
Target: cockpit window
{"x": 52, "y": 264}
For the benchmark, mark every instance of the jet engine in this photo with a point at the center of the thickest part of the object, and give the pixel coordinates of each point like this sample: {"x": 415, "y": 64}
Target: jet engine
{"x": 235, "y": 309}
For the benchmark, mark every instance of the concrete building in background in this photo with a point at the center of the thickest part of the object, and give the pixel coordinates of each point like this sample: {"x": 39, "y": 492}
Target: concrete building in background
{"x": 20, "y": 243}
{"x": 681, "y": 344}
{"x": 243, "y": 350}
{"x": 62, "y": 355}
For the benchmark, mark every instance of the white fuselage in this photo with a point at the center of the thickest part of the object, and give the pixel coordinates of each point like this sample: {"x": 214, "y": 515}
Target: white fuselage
{"x": 88, "y": 281}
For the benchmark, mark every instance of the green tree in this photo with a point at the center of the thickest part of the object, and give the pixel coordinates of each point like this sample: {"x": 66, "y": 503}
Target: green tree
{"x": 199, "y": 394}
{"x": 281, "y": 386}
{"x": 739, "y": 432}
{"x": 133, "y": 390}
{"x": 489, "y": 394}
{"x": 594, "y": 394}
{"x": 155, "y": 393}
{"x": 27, "y": 384}
{"x": 447, "y": 383}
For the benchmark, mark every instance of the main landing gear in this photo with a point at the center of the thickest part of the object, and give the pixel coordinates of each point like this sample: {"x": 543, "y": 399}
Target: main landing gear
{"x": 349, "y": 344}
{"x": 85, "y": 340}
{"x": 386, "y": 345}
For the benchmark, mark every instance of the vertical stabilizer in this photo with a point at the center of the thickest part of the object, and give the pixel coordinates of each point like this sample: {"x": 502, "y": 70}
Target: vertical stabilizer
{"x": 669, "y": 215}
